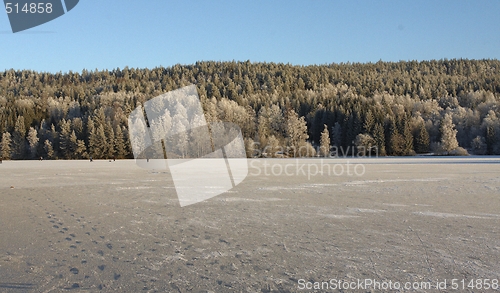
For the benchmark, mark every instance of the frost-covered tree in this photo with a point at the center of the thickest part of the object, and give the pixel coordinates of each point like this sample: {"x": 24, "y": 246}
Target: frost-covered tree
{"x": 296, "y": 131}
{"x": 379, "y": 137}
{"x": 5, "y": 146}
{"x": 276, "y": 121}
{"x": 273, "y": 148}
{"x": 19, "y": 139}
{"x": 422, "y": 141}
{"x": 478, "y": 145}
{"x": 325, "y": 142}
{"x": 64, "y": 139}
{"x": 263, "y": 128}
{"x": 49, "y": 150}
{"x": 109, "y": 147}
{"x": 448, "y": 134}
{"x": 120, "y": 146}
{"x": 364, "y": 144}
{"x": 33, "y": 142}
{"x": 98, "y": 142}
{"x": 180, "y": 139}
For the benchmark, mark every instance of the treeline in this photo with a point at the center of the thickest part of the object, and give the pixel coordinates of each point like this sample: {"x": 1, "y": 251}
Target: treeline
{"x": 401, "y": 108}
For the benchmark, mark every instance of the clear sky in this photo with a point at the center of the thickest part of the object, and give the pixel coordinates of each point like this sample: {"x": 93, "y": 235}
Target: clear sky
{"x": 106, "y": 34}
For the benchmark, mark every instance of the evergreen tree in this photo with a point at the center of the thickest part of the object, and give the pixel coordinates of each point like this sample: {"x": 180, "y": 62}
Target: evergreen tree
{"x": 366, "y": 94}
{"x": 33, "y": 142}
{"x": 448, "y": 134}
{"x": 5, "y": 146}
{"x": 337, "y": 135}
{"x": 379, "y": 137}
{"x": 99, "y": 142}
{"x": 120, "y": 148}
{"x": 19, "y": 139}
{"x": 49, "y": 150}
{"x": 394, "y": 141}
{"x": 407, "y": 136}
{"x": 490, "y": 140}
{"x": 65, "y": 147}
{"x": 296, "y": 131}
{"x": 479, "y": 145}
{"x": 422, "y": 141}
{"x": 325, "y": 142}
{"x": 109, "y": 148}
{"x": 364, "y": 144}
{"x": 369, "y": 123}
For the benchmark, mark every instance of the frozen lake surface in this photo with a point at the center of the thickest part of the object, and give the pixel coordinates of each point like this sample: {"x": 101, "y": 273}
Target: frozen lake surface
{"x": 112, "y": 226}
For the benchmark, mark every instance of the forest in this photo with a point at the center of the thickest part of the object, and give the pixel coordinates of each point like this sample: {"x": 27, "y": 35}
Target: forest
{"x": 445, "y": 107}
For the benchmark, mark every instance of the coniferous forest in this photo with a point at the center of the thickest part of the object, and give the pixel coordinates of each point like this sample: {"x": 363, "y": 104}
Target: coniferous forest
{"x": 397, "y": 108}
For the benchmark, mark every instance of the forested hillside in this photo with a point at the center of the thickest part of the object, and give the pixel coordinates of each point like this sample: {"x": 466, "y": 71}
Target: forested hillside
{"x": 402, "y": 108}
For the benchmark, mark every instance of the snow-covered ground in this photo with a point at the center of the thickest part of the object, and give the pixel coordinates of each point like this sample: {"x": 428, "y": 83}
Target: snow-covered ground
{"x": 117, "y": 227}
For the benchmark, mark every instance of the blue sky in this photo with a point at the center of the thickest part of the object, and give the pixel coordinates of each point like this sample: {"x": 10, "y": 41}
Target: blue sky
{"x": 106, "y": 34}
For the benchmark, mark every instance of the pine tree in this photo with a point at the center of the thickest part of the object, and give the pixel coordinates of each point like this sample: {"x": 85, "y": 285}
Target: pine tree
{"x": 407, "y": 136}
{"x": 276, "y": 121}
{"x": 49, "y": 150}
{"x": 5, "y": 146}
{"x": 120, "y": 148}
{"x": 422, "y": 141}
{"x": 337, "y": 135}
{"x": 73, "y": 145}
{"x": 81, "y": 150}
{"x": 296, "y": 131}
{"x": 109, "y": 133}
{"x": 393, "y": 139}
{"x": 98, "y": 144}
{"x": 92, "y": 139}
{"x": 325, "y": 142}
{"x": 64, "y": 140}
{"x": 379, "y": 137}
{"x": 263, "y": 126}
{"x": 448, "y": 134}
{"x": 490, "y": 139}
{"x": 33, "y": 142}
{"x": 19, "y": 139}
{"x": 369, "y": 123}
{"x": 478, "y": 145}
{"x": 77, "y": 147}
{"x": 364, "y": 144}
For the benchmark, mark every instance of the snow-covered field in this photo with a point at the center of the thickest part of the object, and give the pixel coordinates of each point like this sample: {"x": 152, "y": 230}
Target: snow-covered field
{"x": 112, "y": 226}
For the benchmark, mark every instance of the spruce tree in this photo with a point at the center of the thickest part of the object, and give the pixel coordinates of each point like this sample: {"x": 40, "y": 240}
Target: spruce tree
{"x": 49, "y": 149}
{"x": 448, "y": 134}
{"x": 296, "y": 131}
{"x": 379, "y": 137}
{"x": 5, "y": 146}
{"x": 33, "y": 142}
{"x": 19, "y": 139}
{"x": 325, "y": 142}
{"x": 490, "y": 140}
{"x": 422, "y": 141}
